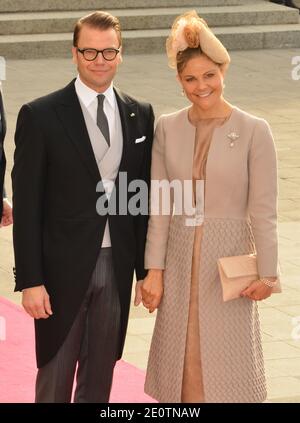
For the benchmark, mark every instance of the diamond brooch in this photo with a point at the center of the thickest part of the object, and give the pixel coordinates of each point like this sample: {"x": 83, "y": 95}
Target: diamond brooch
{"x": 233, "y": 136}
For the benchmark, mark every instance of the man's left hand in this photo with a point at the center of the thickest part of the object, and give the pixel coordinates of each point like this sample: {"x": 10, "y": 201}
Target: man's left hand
{"x": 7, "y": 217}
{"x": 138, "y": 292}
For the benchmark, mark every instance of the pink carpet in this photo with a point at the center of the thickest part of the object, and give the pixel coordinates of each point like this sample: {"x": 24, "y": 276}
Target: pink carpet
{"x": 18, "y": 369}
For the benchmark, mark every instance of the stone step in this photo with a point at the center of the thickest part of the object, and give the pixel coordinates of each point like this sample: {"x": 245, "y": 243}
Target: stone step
{"x": 47, "y": 5}
{"x": 154, "y": 18}
{"x": 152, "y": 41}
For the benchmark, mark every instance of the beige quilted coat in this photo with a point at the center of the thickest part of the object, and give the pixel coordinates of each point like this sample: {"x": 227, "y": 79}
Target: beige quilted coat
{"x": 240, "y": 217}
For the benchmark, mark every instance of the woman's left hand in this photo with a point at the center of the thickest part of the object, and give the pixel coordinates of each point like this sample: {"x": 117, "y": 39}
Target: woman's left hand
{"x": 257, "y": 291}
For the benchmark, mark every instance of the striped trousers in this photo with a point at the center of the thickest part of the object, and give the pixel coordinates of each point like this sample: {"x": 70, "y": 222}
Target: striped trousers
{"x": 92, "y": 345}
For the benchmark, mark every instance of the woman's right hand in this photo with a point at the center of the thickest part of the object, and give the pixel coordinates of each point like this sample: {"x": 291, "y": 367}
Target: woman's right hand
{"x": 152, "y": 289}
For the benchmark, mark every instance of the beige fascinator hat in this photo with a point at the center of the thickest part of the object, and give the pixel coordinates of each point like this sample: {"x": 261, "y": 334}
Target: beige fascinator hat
{"x": 189, "y": 30}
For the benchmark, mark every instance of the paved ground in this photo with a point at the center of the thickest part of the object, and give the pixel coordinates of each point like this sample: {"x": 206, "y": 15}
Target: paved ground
{"x": 259, "y": 82}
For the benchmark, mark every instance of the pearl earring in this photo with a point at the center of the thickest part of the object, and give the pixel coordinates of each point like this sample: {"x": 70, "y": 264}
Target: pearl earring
{"x": 183, "y": 92}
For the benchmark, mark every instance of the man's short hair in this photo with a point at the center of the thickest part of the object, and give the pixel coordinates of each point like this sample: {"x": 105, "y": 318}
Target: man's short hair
{"x": 98, "y": 20}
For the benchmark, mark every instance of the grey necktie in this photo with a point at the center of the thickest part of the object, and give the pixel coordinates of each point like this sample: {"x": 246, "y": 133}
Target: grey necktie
{"x": 102, "y": 119}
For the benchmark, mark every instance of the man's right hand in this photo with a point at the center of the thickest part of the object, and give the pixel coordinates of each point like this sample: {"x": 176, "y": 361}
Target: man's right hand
{"x": 7, "y": 217}
{"x": 36, "y": 302}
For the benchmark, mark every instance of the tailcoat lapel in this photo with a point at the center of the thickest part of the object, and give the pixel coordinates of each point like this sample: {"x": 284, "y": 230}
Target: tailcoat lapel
{"x": 71, "y": 116}
{"x": 128, "y": 115}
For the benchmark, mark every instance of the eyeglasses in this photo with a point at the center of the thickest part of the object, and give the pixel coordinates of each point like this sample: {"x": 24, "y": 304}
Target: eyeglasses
{"x": 91, "y": 54}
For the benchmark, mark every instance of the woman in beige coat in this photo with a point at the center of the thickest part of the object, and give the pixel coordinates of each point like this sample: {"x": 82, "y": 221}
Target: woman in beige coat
{"x": 204, "y": 349}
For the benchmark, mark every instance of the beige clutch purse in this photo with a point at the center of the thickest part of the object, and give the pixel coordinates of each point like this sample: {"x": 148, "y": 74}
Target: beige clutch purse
{"x": 237, "y": 273}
